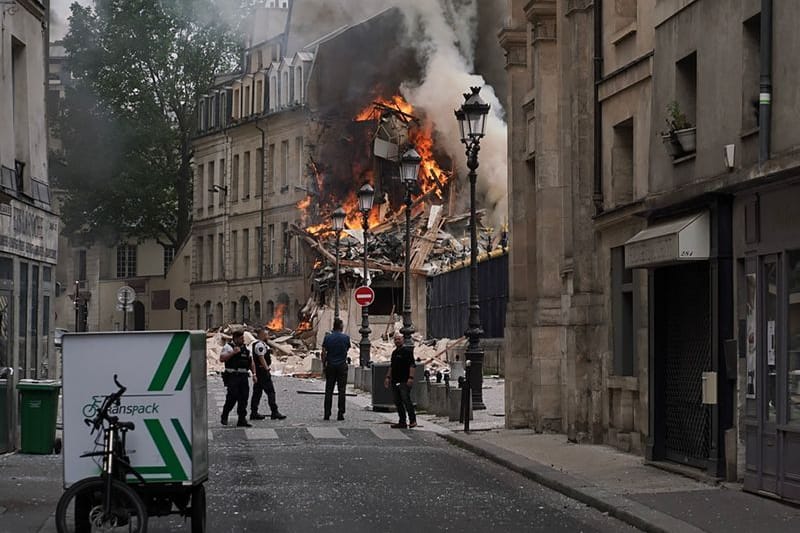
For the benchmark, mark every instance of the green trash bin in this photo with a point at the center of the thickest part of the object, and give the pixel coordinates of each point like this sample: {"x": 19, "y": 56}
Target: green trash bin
{"x": 38, "y": 411}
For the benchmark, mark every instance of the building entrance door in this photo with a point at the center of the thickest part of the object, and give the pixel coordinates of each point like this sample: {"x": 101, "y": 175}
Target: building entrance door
{"x": 776, "y": 452}
{"x": 682, "y": 350}
{"x": 6, "y": 371}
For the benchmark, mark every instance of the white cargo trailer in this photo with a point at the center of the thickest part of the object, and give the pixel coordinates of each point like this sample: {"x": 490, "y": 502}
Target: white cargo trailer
{"x": 165, "y": 376}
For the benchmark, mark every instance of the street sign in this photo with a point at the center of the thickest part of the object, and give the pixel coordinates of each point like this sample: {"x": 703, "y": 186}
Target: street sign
{"x": 126, "y": 295}
{"x": 364, "y": 296}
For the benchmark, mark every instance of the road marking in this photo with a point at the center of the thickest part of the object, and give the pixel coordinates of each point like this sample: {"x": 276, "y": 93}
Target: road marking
{"x": 389, "y": 434}
{"x": 210, "y": 435}
{"x": 260, "y": 434}
{"x": 325, "y": 433}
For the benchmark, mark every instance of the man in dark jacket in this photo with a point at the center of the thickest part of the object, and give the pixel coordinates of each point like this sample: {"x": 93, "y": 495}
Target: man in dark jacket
{"x": 400, "y": 378}
{"x": 334, "y": 363}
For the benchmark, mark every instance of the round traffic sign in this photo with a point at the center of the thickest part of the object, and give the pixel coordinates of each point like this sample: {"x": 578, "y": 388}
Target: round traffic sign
{"x": 126, "y": 295}
{"x": 364, "y": 296}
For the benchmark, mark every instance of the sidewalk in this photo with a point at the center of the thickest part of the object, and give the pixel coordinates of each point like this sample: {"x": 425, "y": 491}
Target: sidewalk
{"x": 615, "y": 482}
{"x": 30, "y": 486}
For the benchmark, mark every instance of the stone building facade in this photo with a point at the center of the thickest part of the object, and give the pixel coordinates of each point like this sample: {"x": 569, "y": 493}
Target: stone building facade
{"x": 28, "y": 226}
{"x": 674, "y": 333}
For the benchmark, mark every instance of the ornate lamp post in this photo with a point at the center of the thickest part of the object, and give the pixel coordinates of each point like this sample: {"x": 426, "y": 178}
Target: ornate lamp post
{"x": 409, "y": 169}
{"x": 365, "y": 196}
{"x": 472, "y": 122}
{"x": 337, "y": 220}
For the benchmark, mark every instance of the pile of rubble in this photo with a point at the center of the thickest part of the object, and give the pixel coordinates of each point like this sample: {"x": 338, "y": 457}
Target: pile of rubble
{"x": 293, "y": 351}
{"x": 438, "y": 243}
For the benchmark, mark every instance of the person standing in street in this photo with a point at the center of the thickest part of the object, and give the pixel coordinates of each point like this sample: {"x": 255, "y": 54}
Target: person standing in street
{"x": 334, "y": 364}
{"x": 262, "y": 356}
{"x": 400, "y": 377}
{"x": 238, "y": 363}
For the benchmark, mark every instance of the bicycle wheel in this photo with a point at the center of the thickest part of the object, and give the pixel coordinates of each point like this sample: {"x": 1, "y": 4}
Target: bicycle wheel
{"x": 80, "y": 509}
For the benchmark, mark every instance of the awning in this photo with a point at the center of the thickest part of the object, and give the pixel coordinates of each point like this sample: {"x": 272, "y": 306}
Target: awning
{"x": 684, "y": 239}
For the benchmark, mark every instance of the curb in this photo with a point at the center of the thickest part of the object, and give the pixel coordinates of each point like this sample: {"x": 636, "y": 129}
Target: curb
{"x": 620, "y": 507}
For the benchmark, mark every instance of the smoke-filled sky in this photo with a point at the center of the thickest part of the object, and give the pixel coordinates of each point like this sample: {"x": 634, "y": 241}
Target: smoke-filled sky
{"x": 446, "y": 33}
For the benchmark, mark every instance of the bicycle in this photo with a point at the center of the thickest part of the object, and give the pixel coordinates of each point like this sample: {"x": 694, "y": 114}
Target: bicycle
{"x": 105, "y": 502}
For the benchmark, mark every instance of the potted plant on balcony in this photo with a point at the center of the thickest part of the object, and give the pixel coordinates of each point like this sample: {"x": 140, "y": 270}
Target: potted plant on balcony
{"x": 680, "y": 133}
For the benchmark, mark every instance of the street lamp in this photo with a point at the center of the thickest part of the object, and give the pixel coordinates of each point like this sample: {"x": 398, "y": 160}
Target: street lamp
{"x": 409, "y": 169}
{"x": 472, "y": 123}
{"x": 365, "y": 197}
{"x": 337, "y": 220}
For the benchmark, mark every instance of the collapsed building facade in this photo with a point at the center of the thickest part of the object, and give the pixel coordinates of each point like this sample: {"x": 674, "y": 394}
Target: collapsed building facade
{"x": 292, "y": 137}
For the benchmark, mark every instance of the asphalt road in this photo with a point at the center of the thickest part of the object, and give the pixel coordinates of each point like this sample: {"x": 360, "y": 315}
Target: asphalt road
{"x": 359, "y": 475}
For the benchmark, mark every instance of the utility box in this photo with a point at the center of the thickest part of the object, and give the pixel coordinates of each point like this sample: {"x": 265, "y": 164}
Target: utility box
{"x": 382, "y": 399}
{"x": 165, "y": 376}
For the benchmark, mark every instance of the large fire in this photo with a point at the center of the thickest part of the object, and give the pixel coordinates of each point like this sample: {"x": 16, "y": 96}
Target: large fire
{"x": 318, "y": 206}
{"x": 276, "y": 324}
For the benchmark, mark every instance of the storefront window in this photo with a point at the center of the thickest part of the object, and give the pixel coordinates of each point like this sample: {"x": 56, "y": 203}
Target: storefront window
{"x": 793, "y": 366}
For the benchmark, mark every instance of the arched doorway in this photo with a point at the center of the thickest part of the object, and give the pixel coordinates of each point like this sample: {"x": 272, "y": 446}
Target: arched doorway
{"x": 138, "y": 316}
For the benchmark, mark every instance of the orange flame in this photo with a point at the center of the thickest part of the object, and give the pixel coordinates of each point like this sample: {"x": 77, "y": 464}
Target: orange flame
{"x": 304, "y": 203}
{"x": 276, "y": 324}
{"x": 305, "y": 325}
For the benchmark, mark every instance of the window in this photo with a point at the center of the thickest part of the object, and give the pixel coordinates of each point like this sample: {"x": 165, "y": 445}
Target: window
{"x": 236, "y": 101}
{"x": 210, "y": 182}
{"x": 235, "y": 253}
{"x": 221, "y": 257}
{"x": 300, "y": 161}
{"x": 199, "y": 188}
{"x": 259, "y": 172}
{"x": 686, "y": 86}
{"x": 284, "y": 165}
{"x": 622, "y": 162}
{"x": 271, "y": 176}
{"x": 235, "y": 179}
{"x": 286, "y": 251}
{"x": 126, "y": 261}
{"x": 23, "y": 314}
{"x": 199, "y": 255}
{"x": 273, "y": 93}
{"x": 751, "y": 65}
{"x": 246, "y": 177}
{"x": 259, "y": 93}
{"x": 169, "y": 257}
{"x": 35, "y": 319}
{"x": 247, "y": 101}
{"x": 793, "y": 353}
{"x": 285, "y": 89}
{"x": 246, "y": 252}
{"x": 622, "y": 312}
{"x": 211, "y": 271}
{"x": 260, "y": 251}
{"x": 232, "y": 318}
{"x": 271, "y": 237}
{"x": 19, "y": 103}
{"x": 220, "y": 195}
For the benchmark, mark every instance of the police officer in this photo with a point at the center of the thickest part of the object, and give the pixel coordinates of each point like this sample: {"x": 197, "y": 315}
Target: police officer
{"x": 262, "y": 356}
{"x": 238, "y": 363}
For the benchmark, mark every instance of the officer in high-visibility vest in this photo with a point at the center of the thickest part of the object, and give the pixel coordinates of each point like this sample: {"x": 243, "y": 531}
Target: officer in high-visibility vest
{"x": 262, "y": 355}
{"x": 238, "y": 365}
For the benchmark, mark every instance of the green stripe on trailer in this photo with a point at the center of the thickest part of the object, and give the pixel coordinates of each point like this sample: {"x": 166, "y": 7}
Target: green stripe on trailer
{"x": 172, "y": 465}
{"x": 168, "y": 362}
{"x": 182, "y": 435}
{"x": 185, "y": 376}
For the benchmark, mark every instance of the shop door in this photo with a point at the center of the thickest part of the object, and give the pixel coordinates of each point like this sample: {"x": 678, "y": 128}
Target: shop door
{"x": 778, "y": 367}
{"x": 682, "y": 346}
{"x": 6, "y": 370}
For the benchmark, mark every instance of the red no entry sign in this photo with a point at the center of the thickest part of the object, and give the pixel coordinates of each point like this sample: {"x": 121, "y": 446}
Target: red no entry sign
{"x": 364, "y": 296}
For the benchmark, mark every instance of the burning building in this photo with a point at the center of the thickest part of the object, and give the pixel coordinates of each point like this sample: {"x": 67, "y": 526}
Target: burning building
{"x": 316, "y": 112}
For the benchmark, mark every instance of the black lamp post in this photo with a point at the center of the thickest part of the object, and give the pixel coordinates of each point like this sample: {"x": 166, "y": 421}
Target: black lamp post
{"x": 409, "y": 168}
{"x": 365, "y": 196}
{"x": 337, "y": 220}
{"x": 472, "y": 122}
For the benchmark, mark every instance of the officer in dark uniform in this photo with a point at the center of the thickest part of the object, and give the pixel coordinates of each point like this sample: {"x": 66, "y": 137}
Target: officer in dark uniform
{"x": 238, "y": 364}
{"x": 262, "y": 357}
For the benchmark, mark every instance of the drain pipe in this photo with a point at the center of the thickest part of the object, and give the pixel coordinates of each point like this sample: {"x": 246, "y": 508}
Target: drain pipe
{"x": 263, "y": 174}
{"x": 765, "y": 83}
{"x": 597, "y": 196}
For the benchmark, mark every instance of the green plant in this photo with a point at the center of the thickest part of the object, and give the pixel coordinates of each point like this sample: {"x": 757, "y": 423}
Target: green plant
{"x": 676, "y": 119}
